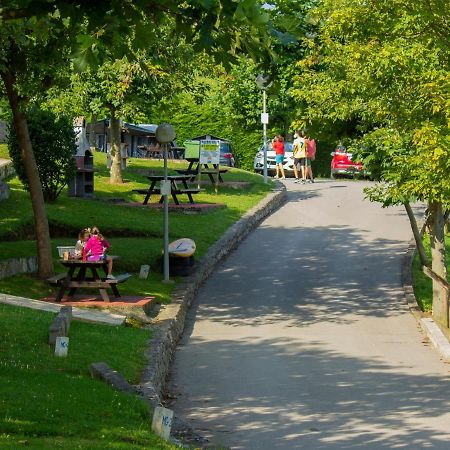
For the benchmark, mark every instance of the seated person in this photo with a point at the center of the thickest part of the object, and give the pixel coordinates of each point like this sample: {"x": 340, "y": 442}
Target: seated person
{"x": 96, "y": 248}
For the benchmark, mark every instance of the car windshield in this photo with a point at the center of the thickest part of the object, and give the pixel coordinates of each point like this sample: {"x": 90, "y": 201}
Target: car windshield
{"x": 225, "y": 148}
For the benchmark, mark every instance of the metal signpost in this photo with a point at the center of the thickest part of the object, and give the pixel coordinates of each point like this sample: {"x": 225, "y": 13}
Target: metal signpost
{"x": 164, "y": 135}
{"x": 262, "y": 83}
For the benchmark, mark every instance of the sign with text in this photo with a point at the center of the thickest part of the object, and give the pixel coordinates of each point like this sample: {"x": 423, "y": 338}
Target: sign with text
{"x": 61, "y": 346}
{"x": 165, "y": 187}
{"x": 162, "y": 422}
{"x": 209, "y": 152}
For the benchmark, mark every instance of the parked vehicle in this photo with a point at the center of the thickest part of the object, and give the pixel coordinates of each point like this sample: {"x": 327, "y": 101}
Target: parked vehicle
{"x": 288, "y": 161}
{"x": 226, "y": 155}
{"x": 342, "y": 163}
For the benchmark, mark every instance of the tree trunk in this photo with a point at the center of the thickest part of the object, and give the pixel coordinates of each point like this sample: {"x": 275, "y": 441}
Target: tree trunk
{"x": 415, "y": 229}
{"x": 92, "y": 143}
{"x": 116, "y": 169}
{"x": 439, "y": 266}
{"x": 44, "y": 248}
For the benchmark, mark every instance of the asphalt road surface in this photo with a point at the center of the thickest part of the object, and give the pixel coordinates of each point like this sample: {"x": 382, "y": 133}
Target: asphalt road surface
{"x": 301, "y": 339}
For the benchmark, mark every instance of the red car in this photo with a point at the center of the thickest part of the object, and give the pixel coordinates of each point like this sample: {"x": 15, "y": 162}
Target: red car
{"x": 342, "y": 163}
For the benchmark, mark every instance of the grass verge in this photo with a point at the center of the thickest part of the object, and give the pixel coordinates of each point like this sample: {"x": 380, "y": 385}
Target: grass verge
{"x": 50, "y": 402}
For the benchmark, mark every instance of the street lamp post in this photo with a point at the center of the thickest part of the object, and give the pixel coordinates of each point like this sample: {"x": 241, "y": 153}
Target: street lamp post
{"x": 262, "y": 83}
{"x": 164, "y": 135}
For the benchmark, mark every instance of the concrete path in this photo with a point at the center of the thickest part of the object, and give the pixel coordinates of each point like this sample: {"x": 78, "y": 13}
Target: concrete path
{"x": 300, "y": 340}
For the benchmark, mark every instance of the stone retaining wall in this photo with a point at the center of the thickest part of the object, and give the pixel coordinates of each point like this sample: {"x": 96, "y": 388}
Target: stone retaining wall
{"x": 11, "y": 267}
{"x": 4, "y": 190}
{"x": 6, "y": 169}
{"x": 170, "y": 321}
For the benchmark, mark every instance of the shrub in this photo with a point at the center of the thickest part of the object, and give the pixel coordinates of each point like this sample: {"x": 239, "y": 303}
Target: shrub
{"x": 53, "y": 143}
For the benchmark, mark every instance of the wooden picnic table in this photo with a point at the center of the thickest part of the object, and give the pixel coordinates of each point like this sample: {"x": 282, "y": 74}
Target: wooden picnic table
{"x": 194, "y": 166}
{"x": 77, "y": 277}
{"x": 176, "y": 189}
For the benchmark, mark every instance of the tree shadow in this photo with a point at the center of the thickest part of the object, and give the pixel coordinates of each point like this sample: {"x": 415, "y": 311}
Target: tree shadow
{"x": 294, "y": 280}
{"x": 319, "y": 400}
{"x": 250, "y": 388}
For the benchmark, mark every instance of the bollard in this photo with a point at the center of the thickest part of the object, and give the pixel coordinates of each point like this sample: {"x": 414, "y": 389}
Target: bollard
{"x": 145, "y": 270}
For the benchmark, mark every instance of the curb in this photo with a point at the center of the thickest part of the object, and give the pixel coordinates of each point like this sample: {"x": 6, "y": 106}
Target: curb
{"x": 427, "y": 324}
{"x": 169, "y": 324}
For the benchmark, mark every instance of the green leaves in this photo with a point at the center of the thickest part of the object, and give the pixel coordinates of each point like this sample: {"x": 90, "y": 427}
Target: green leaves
{"x": 373, "y": 66}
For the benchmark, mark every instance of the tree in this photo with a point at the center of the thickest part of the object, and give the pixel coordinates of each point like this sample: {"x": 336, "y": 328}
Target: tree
{"x": 37, "y": 36}
{"x": 384, "y": 66}
{"x": 53, "y": 141}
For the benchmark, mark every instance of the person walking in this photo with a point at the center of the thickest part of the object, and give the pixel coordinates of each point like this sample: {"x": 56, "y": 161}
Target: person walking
{"x": 278, "y": 145}
{"x": 310, "y": 156}
{"x": 299, "y": 156}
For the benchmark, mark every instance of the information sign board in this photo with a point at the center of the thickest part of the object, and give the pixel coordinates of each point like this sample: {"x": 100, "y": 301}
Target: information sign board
{"x": 209, "y": 152}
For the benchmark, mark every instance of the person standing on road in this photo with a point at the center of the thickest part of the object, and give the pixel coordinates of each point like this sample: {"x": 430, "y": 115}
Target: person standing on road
{"x": 310, "y": 156}
{"x": 278, "y": 145}
{"x": 299, "y": 147}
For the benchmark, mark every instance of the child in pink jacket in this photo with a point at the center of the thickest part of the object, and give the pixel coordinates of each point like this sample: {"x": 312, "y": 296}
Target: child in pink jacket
{"x": 95, "y": 250}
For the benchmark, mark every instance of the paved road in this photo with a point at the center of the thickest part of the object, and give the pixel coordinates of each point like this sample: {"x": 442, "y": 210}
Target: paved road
{"x": 300, "y": 340}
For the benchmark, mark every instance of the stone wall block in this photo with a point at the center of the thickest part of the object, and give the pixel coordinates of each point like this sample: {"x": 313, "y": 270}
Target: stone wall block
{"x": 14, "y": 266}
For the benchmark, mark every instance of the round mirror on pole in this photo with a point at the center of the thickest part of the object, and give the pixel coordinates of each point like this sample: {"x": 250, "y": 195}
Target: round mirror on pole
{"x": 165, "y": 134}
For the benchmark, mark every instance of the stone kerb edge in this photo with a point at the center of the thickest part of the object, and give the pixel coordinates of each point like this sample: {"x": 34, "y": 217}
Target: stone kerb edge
{"x": 169, "y": 324}
{"x": 427, "y": 324}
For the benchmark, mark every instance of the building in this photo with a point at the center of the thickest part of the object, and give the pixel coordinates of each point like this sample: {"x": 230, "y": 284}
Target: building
{"x": 132, "y": 136}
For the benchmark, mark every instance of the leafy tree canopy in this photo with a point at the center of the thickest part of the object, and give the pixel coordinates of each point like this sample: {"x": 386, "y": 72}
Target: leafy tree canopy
{"x": 380, "y": 66}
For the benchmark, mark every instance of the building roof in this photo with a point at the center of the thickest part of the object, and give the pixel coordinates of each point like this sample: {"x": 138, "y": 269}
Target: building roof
{"x": 149, "y": 126}
{"x": 208, "y": 137}
{"x": 136, "y": 129}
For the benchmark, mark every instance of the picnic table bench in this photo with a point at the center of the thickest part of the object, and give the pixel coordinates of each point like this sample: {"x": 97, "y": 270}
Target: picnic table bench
{"x": 194, "y": 166}
{"x": 176, "y": 189}
{"x": 77, "y": 277}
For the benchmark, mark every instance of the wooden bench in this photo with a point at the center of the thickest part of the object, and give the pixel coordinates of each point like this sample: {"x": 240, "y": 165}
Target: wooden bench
{"x": 56, "y": 279}
{"x": 67, "y": 282}
{"x": 155, "y": 191}
{"x": 209, "y": 172}
{"x": 120, "y": 278}
{"x": 174, "y": 193}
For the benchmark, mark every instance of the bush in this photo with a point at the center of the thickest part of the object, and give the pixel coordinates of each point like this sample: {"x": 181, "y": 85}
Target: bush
{"x": 53, "y": 143}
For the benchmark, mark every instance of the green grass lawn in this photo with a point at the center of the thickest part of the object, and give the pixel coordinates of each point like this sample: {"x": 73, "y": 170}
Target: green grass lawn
{"x": 4, "y": 151}
{"x": 49, "y": 402}
{"x": 135, "y": 233}
{"x": 421, "y": 283}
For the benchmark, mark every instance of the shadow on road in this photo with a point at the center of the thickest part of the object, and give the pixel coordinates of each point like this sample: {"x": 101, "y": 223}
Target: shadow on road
{"x": 393, "y": 410}
{"x": 294, "y": 280}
